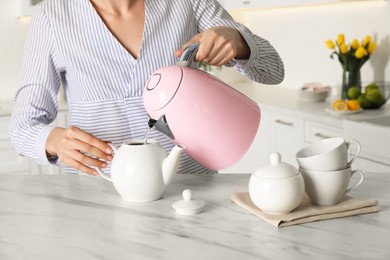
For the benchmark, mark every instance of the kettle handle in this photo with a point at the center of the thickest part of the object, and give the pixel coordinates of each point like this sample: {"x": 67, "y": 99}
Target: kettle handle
{"x": 100, "y": 171}
{"x": 188, "y": 55}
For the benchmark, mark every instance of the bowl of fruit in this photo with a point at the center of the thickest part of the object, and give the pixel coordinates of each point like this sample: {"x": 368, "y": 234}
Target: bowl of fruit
{"x": 371, "y": 95}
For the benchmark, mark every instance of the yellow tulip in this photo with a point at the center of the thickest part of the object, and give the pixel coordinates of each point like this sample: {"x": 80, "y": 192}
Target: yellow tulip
{"x": 360, "y": 52}
{"x": 371, "y": 47}
{"x": 355, "y": 44}
{"x": 340, "y": 39}
{"x": 330, "y": 44}
{"x": 366, "y": 40}
{"x": 344, "y": 48}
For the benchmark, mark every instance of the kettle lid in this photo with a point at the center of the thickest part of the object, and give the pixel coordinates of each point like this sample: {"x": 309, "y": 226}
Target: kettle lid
{"x": 161, "y": 87}
{"x": 276, "y": 169}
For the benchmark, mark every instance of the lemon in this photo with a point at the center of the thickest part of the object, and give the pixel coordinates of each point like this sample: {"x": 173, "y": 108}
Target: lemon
{"x": 375, "y": 97}
{"x": 353, "y": 104}
{"x": 340, "y": 105}
{"x": 354, "y": 92}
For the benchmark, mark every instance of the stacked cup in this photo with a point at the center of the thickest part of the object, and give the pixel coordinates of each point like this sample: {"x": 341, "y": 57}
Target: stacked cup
{"x": 326, "y": 169}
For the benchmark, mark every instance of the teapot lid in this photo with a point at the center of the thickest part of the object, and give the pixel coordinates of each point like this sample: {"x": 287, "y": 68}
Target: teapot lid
{"x": 276, "y": 169}
{"x": 188, "y": 206}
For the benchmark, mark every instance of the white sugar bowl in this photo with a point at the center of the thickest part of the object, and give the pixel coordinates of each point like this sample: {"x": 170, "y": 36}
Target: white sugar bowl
{"x": 276, "y": 188}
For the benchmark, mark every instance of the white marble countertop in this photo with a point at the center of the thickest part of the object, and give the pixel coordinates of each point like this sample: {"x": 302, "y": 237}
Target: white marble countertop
{"x": 82, "y": 217}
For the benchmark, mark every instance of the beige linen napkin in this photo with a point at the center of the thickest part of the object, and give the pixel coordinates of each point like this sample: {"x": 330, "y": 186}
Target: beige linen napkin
{"x": 307, "y": 212}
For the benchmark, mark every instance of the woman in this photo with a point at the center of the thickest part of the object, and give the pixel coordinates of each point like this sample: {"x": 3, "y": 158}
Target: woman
{"x": 102, "y": 52}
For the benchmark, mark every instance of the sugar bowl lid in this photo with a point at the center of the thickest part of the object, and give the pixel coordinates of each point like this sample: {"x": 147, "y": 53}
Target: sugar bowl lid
{"x": 276, "y": 169}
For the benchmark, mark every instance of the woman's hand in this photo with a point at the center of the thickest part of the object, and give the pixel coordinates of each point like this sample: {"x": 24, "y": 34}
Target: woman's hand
{"x": 78, "y": 149}
{"x": 219, "y": 45}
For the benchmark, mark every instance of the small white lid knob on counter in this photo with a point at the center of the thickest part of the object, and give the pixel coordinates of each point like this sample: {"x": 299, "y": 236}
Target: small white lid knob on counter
{"x": 187, "y": 206}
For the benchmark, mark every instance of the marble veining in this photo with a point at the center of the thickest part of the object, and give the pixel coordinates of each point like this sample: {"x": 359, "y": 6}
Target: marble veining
{"x": 82, "y": 217}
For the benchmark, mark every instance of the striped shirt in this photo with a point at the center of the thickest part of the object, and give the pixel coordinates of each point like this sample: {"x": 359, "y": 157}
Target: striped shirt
{"x": 69, "y": 45}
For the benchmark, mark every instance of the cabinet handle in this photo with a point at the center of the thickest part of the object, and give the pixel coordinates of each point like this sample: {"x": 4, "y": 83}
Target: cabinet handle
{"x": 322, "y": 136}
{"x": 283, "y": 122}
{"x": 246, "y": 2}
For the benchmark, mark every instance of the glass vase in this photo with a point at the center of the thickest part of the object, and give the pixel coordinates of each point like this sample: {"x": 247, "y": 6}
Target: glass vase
{"x": 351, "y": 78}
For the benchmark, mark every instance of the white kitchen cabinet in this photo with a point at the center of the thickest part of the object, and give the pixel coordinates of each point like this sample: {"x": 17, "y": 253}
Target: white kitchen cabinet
{"x": 286, "y": 136}
{"x": 12, "y": 163}
{"x": 315, "y": 131}
{"x": 368, "y": 165}
{"x": 367, "y": 160}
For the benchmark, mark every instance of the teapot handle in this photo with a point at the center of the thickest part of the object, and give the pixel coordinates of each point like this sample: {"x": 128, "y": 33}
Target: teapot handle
{"x": 188, "y": 55}
{"x": 100, "y": 171}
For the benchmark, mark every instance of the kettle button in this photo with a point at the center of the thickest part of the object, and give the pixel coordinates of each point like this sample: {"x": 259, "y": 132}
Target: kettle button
{"x": 153, "y": 81}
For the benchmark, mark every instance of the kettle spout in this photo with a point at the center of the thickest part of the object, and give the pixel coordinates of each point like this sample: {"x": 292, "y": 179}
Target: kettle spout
{"x": 171, "y": 163}
{"x": 161, "y": 125}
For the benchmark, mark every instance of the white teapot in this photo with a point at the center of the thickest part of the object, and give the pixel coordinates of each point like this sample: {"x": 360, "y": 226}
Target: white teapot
{"x": 140, "y": 172}
{"x": 276, "y": 188}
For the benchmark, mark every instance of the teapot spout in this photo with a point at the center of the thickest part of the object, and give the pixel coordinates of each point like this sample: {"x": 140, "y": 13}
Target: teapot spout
{"x": 171, "y": 163}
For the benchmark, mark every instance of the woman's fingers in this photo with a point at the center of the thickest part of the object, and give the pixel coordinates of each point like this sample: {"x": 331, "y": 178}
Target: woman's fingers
{"x": 80, "y": 165}
{"x": 79, "y": 149}
{"x": 193, "y": 40}
{"x": 219, "y": 45}
{"x": 220, "y": 56}
{"x": 87, "y": 143}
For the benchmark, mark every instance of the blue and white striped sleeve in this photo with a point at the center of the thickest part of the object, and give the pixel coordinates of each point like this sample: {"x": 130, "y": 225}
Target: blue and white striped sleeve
{"x": 36, "y": 96}
{"x": 264, "y": 64}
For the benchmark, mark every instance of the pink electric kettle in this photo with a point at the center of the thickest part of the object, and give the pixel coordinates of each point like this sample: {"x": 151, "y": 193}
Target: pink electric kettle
{"x": 215, "y": 123}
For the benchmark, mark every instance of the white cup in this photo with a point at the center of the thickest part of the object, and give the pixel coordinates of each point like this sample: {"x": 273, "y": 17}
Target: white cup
{"x": 328, "y": 187}
{"x": 327, "y": 155}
